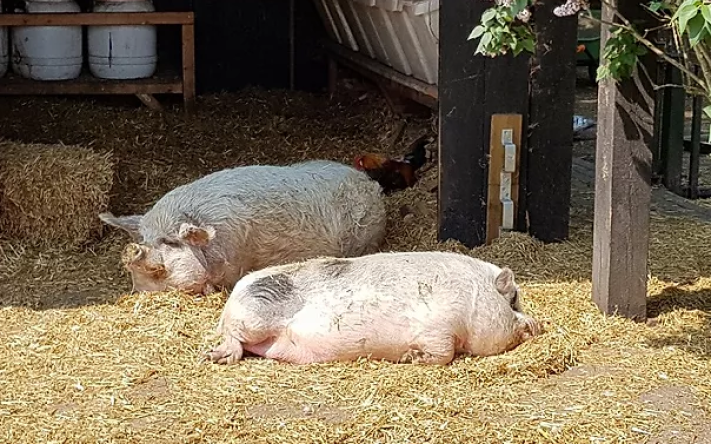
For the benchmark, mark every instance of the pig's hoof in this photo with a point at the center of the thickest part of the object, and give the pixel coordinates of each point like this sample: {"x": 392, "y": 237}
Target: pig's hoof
{"x": 225, "y": 354}
{"x": 412, "y": 356}
{"x": 430, "y": 359}
{"x": 420, "y": 357}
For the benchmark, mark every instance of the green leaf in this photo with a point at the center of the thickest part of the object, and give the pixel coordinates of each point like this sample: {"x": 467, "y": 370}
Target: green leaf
{"x": 686, "y": 12}
{"x": 603, "y": 72}
{"x": 529, "y": 45}
{"x": 696, "y": 29}
{"x": 484, "y": 42}
{"x": 628, "y": 58}
{"x": 476, "y": 32}
{"x": 518, "y": 6}
{"x": 514, "y": 44}
{"x": 707, "y": 111}
{"x": 706, "y": 12}
{"x": 655, "y": 6}
{"x": 488, "y": 15}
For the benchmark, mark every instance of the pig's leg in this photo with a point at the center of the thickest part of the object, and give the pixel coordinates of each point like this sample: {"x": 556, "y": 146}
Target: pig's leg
{"x": 527, "y": 327}
{"x": 229, "y": 352}
{"x": 290, "y": 348}
{"x": 432, "y": 350}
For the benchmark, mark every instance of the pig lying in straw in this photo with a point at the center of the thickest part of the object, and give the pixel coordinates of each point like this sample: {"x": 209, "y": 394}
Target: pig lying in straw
{"x": 421, "y": 307}
{"x": 209, "y": 233}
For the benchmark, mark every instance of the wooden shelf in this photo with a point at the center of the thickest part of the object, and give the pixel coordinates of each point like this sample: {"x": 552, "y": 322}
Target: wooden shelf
{"x": 161, "y": 83}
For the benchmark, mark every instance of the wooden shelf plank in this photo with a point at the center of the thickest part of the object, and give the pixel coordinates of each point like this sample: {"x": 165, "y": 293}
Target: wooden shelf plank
{"x": 12, "y": 84}
{"x": 98, "y": 18}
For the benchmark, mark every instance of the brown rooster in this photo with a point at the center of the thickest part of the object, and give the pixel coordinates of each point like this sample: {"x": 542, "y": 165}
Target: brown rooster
{"x": 395, "y": 174}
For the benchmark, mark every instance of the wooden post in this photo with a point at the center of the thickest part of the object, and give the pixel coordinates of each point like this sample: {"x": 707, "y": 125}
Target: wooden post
{"x": 471, "y": 89}
{"x": 623, "y": 185}
{"x": 550, "y": 155}
{"x": 188, "y": 41}
{"x": 697, "y": 111}
{"x": 672, "y": 130}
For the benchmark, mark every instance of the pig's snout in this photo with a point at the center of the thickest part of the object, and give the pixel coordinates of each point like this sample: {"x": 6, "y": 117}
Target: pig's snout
{"x": 137, "y": 258}
{"x": 132, "y": 253}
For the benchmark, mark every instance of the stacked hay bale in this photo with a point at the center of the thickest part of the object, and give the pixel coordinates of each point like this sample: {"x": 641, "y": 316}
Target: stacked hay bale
{"x": 50, "y": 195}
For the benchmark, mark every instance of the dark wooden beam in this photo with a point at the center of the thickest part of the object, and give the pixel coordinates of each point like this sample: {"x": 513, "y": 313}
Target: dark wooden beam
{"x": 161, "y": 83}
{"x": 471, "y": 89}
{"x": 672, "y": 130}
{"x": 462, "y": 151}
{"x": 697, "y": 111}
{"x": 623, "y": 168}
{"x": 97, "y": 18}
{"x": 550, "y": 155}
{"x": 188, "y": 46}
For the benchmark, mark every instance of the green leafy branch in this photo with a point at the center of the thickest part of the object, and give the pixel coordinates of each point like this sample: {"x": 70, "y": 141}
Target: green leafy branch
{"x": 505, "y": 27}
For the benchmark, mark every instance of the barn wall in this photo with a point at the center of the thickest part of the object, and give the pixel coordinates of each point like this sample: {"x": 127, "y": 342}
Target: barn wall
{"x": 244, "y": 43}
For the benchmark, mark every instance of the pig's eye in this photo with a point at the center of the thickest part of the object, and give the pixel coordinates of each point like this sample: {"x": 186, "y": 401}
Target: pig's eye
{"x": 170, "y": 242}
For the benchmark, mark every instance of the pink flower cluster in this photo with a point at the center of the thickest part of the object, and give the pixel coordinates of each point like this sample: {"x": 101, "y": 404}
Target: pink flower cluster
{"x": 571, "y": 7}
{"x": 524, "y": 15}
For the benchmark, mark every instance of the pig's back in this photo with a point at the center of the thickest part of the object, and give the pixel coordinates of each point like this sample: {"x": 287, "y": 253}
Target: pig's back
{"x": 400, "y": 271}
{"x": 246, "y": 193}
{"x": 395, "y": 282}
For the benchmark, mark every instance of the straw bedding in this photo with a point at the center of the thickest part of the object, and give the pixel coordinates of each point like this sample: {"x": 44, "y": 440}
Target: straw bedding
{"x": 94, "y": 368}
{"x": 51, "y": 194}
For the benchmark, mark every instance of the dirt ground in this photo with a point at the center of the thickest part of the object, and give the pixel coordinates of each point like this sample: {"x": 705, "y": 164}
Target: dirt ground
{"x": 86, "y": 362}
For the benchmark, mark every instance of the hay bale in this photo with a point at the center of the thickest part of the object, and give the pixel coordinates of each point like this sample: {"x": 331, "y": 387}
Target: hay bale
{"x": 50, "y": 195}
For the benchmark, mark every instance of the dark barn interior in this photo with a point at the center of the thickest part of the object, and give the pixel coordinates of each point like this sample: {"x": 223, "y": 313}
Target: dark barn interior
{"x": 240, "y": 44}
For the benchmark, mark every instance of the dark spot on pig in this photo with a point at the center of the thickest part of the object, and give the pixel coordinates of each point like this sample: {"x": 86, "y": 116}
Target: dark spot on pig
{"x": 277, "y": 288}
{"x": 336, "y": 268}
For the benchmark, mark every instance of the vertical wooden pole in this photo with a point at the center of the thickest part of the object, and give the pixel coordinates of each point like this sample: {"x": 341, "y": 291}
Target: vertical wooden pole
{"x": 471, "y": 89}
{"x": 550, "y": 155}
{"x": 657, "y": 139}
{"x": 188, "y": 43}
{"x": 672, "y": 131}
{"x": 462, "y": 138}
{"x": 697, "y": 111}
{"x": 623, "y": 186}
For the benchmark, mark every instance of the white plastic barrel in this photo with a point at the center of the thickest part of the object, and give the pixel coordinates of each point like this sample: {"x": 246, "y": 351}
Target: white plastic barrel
{"x": 4, "y": 48}
{"x": 122, "y": 52}
{"x": 47, "y": 52}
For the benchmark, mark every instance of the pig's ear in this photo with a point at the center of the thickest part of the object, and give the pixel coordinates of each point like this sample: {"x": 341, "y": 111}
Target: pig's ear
{"x": 131, "y": 224}
{"x": 196, "y": 236}
{"x": 505, "y": 281}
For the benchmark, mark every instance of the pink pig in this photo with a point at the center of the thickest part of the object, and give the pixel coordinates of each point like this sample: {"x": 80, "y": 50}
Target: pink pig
{"x": 420, "y": 307}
